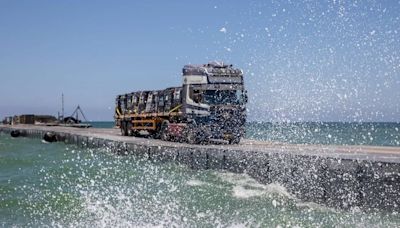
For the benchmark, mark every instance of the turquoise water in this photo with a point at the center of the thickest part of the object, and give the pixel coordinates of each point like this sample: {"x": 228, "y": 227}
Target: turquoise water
{"x": 62, "y": 185}
{"x": 337, "y": 133}
{"x": 102, "y": 124}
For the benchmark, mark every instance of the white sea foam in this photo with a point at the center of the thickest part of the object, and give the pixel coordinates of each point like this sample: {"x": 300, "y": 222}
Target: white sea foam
{"x": 241, "y": 192}
{"x": 238, "y": 225}
{"x": 315, "y": 206}
{"x": 103, "y": 212}
{"x": 195, "y": 183}
{"x": 245, "y": 186}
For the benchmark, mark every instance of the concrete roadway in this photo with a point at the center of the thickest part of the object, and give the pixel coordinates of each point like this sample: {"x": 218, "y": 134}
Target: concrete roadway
{"x": 369, "y": 153}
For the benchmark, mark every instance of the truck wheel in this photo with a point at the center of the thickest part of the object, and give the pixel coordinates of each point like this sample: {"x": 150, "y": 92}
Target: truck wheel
{"x": 157, "y": 132}
{"x": 121, "y": 127}
{"x": 135, "y": 133}
{"x": 164, "y": 131}
{"x": 191, "y": 137}
{"x": 129, "y": 129}
{"x": 234, "y": 140}
{"x": 124, "y": 128}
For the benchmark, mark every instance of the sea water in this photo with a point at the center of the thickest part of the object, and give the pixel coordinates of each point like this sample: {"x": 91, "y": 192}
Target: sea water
{"x": 56, "y": 184}
{"x": 337, "y": 133}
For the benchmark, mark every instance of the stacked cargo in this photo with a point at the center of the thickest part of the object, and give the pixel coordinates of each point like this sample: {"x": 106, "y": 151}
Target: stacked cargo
{"x": 210, "y": 105}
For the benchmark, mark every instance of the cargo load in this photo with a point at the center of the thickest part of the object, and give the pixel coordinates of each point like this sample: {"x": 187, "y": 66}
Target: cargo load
{"x": 209, "y": 106}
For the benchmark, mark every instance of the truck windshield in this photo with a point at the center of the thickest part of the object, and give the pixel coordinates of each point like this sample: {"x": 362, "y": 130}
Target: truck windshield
{"x": 216, "y": 97}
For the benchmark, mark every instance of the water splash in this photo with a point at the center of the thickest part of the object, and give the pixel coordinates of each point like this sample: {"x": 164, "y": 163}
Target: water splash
{"x": 75, "y": 187}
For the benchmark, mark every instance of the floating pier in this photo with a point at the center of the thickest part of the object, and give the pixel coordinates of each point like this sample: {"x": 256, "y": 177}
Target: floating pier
{"x": 346, "y": 177}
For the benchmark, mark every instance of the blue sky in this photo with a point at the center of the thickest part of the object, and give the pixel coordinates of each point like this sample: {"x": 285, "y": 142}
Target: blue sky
{"x": 303, "y": 61}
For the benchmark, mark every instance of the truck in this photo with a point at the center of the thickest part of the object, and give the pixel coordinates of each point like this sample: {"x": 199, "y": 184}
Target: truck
{"x": 210, "y": 106}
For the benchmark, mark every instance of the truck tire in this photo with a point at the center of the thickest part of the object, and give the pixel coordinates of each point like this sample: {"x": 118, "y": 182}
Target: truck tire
{"x": 191, "y": 132}
{"x": 191, "y": 137}
{"x": 234, "y": 140}
{"x": 124, "y": 129}
{"x": 157, "y": 133}
{"x": 135, "y": 133}
{"x": 129, "y": 130}
{"x": 164, "y": 131}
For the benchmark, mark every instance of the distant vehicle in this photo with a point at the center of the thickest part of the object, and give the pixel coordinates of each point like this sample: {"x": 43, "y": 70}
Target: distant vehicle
{"x": 209, "y": 106}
